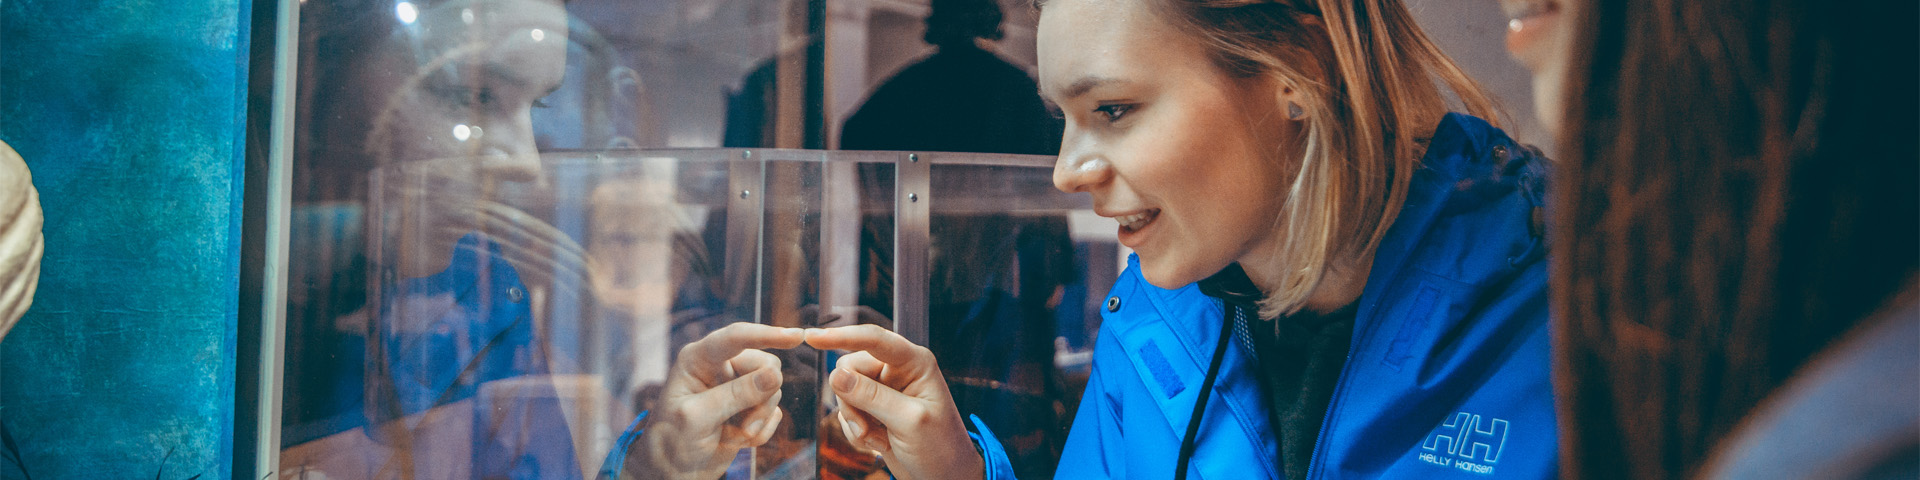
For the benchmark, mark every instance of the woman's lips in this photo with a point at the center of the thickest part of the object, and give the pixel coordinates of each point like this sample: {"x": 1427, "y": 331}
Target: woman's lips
{"x": 1131, "y": 226}
{"x": 1525, "y": 9}
{"x": 1527, "y": 26}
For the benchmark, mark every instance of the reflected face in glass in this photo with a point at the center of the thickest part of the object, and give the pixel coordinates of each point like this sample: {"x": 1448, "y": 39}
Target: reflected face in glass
{"x": 455, "y": 84}
{"x": 1185, "y": 157}
{"x": 463, "y": 78}
{"x": 1538, "y": 35}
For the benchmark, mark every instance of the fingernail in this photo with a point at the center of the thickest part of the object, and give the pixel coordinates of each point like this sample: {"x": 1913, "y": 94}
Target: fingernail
{"x": 815, "y": 332}
{"x": 766, "y": 380}
{"x": 754, "y": 428}
{"x": 795, "y": 332}
{"x": 842, "y": 381}
{"x": 853, "y": 428}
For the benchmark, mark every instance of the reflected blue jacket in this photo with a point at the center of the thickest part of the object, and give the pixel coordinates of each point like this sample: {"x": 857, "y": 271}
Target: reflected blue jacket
{"x": 1447, "y": 376}
{"x": 446, "y": 336}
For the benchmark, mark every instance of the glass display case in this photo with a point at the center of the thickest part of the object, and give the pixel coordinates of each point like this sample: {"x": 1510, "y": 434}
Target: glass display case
{"x": 506, "y": 216}
{"x": 520, "y": 316}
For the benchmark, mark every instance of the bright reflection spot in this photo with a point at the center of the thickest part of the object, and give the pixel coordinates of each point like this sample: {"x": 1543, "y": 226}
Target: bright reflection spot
{"x": 466, "y": 15}
{"x": 461, "y": 132}
{"x": 539, "y": 34}
{"x": 406, "y": 12}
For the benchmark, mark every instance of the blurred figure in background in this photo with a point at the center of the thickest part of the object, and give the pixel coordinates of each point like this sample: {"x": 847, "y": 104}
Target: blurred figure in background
{"x": 963, "y": 98}
{"x": 1735, "y": 235}
{"x": 995, "y": 278}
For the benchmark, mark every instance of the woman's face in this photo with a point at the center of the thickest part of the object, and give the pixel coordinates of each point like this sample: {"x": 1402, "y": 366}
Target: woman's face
{"x": 1188, "y": 159}
{"x": 1539, "y": 37}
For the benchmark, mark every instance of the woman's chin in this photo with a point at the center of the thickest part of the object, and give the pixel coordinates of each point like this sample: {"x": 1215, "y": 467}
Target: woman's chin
{"x": 1169, "y": 275}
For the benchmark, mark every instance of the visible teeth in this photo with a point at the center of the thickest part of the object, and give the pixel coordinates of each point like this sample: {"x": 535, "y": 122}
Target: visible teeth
{"x": 1134, "y": 221}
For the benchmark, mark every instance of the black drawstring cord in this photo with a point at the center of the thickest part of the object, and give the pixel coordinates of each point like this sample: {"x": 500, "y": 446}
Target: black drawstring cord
{"x": 1188, "y": 443}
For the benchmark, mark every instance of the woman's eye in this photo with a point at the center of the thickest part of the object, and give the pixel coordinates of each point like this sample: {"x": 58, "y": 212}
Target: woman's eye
{"x": 484, "y": 97}
{"x": 1112, "y": 113}
{"x": 468, "y": 97}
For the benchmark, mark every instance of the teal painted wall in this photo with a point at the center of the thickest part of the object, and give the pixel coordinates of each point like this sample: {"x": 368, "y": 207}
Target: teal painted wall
{"x": 130, "y": 114}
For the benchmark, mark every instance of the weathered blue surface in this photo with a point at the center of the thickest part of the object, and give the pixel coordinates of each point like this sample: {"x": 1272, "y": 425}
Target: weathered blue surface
{"x": 130, "y": 115}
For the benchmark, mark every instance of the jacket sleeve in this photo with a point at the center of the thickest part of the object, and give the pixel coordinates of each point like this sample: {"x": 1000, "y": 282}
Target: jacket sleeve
{"x": 999, "y": 467}
{"x": 1096, "y": 447}
{"x": 617, "y": 457}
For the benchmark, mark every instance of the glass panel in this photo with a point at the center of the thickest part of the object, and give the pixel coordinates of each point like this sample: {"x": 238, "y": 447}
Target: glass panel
{"x": 856, "y": 283}
{"x": 606, "y": 263}
{"x": 1015, "y": 273}
{"x": 790, "y": 297}
{"x": 520, "y": 319}
{"x": 520, "y": 316}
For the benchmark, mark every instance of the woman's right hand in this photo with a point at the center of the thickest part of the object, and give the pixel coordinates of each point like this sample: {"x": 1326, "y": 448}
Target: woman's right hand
{"x": 722, "y": 395}
{"x": 895, "y": 401}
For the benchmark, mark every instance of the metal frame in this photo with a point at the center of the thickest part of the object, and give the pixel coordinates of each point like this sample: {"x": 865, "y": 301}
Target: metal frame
{"x": 913, "y": 195}
{"x": 272, "y": 313}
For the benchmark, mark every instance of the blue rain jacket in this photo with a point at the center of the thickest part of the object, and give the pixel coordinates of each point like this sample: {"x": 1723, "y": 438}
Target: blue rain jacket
{"x": 1447, "y": 376}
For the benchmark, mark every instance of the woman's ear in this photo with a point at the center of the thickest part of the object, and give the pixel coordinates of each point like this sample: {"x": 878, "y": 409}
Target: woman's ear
{"x": 1289, "y": 98}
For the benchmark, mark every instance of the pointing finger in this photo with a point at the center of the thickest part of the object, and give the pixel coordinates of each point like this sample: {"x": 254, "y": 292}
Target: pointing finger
{"x": 705, "y": 358}
{"x": 883, "y": 344}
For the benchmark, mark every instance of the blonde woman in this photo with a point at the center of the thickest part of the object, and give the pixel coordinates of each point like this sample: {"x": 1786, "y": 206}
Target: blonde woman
{"x": 1293, "y": 184}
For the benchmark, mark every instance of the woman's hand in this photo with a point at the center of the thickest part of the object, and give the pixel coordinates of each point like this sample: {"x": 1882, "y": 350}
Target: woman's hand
{"x": 723, "y": 395}
{"x": 895, "y": 401}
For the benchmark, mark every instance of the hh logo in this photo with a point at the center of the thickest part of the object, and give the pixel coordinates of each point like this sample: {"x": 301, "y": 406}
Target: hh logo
{"x": 1468, "y": 442}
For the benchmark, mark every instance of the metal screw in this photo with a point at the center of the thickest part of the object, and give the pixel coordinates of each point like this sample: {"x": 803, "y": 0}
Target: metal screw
{"x": 746, "y": 154}
{"x": 913, "y": 157}
{"x": 913, "y": 197}
{"x": 516, "y": 294}
{"x": 744, "y": 193}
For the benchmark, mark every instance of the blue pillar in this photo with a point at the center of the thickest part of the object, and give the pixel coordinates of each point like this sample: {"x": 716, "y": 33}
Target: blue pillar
{"x": 130, "y": 114}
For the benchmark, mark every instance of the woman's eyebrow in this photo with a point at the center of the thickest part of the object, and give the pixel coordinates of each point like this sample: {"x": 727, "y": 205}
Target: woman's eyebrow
{"x": 1080, "y": 87}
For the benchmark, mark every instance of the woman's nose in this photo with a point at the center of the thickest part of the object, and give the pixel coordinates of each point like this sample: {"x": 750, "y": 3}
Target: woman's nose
{"x": 1075, "y": 173}
{"x": 506, "y": 155}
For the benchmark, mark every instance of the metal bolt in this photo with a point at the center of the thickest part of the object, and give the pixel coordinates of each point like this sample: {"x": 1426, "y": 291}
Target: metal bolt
{"x": 913, "y": 157}
{"x": 516, "y": 294}
{"x": 746, "y": 154}
{"x": 913, "y": 197}
{"x": 744, "y": 193}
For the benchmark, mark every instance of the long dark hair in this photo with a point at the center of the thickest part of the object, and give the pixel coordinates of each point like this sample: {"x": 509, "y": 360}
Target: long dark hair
{"x": 1738, "y": 189}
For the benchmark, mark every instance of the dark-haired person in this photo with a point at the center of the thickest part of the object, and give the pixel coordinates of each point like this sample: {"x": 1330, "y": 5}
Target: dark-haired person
{"x": 1737, "y": 221}
{"x": 1335, "y": 277}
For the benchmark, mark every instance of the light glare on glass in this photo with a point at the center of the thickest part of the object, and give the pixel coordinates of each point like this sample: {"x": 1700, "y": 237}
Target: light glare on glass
{"x": 539, "y": 35}
{"x": 461, "y": 132}
{"x": 406, "y": 12}
{"x": 466, "y": 15}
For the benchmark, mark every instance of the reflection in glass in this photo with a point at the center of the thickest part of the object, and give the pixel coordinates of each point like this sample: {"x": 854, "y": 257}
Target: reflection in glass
{"x": 476, "y": 293}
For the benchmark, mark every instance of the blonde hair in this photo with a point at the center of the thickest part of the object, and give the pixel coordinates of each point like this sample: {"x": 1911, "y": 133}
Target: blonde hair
{"x": 1369, "y": 82}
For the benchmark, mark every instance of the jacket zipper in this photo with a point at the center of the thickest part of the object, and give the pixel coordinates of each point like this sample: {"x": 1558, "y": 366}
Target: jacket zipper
{"x": 1333, "y": 404}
